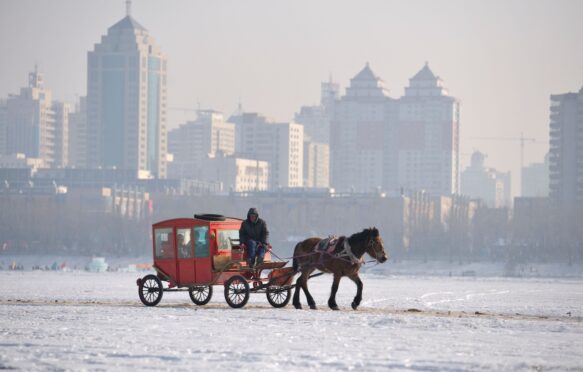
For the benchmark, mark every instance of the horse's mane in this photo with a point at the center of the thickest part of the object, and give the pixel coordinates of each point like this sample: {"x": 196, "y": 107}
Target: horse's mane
{"x": 361, "y": 236}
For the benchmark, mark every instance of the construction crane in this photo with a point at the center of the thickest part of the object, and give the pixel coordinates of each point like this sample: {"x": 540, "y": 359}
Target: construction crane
{"x": 523, "y": 140}
{"x": 185, "y": 109}
{"x": 186, "y": 112}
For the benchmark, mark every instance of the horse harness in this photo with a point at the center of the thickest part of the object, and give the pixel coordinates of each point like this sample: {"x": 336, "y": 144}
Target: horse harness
{"x": 330, "y": 245}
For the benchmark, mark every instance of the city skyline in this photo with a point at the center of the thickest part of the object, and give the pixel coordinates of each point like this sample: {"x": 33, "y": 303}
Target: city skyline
{"x": 268, "y": 72}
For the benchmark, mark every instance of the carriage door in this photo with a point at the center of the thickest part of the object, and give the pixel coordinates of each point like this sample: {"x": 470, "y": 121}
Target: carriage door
{"x": 202, "y": 258}
{"x": 185, "y": 255}
{"x": 164, "y": 251}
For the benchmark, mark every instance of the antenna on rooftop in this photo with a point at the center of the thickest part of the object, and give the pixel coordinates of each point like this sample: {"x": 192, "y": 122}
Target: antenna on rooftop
{"x": 240, "y": 106}
{"x": 128, "y": 8}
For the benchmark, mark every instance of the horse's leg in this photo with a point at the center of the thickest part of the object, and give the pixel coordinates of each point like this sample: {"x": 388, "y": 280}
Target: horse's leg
{"x": 305, "y": 276}
{"x": 356, "y": 279}
{"x": 332, "y": 299}
{"x": 296, "y": 300}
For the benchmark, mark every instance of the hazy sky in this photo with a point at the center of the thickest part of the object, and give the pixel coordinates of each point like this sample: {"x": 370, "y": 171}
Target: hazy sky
{"x": 502, "y": 59}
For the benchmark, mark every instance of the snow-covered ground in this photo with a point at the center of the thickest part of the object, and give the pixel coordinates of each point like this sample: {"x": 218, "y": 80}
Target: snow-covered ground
{"x": 78, "y": 320}
{"x": 409, "y": 267}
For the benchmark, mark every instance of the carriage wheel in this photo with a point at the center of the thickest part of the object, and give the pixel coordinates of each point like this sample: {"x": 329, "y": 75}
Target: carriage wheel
{"x": 201, "y": 295}
{"x": 237, "y": 291}
{"x": 150, "y": 290}
{"x": 277, "y": 296}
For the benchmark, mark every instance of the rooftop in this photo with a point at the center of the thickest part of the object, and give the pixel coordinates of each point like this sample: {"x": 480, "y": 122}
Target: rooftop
{"x": 425, "y": 74}
{"x": 127, "y": 23}
{"x": 366, "y": 74}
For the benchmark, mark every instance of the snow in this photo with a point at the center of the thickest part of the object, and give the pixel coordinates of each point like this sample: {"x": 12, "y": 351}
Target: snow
{"x": 95, "y": 321}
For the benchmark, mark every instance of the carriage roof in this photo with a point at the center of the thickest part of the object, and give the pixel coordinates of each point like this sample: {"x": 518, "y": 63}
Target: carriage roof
{"x": 188, "y": 221}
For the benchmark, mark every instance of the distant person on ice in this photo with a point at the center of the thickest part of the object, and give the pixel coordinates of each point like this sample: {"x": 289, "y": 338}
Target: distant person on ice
{"x": 254, "y": 235}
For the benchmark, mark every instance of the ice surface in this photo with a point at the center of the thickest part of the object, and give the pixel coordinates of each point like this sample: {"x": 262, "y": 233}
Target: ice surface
{"x": 95, "y": 321}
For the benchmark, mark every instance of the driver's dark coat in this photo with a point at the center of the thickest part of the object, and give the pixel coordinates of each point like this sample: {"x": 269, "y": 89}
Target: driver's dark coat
{"x": 254, "y": 230}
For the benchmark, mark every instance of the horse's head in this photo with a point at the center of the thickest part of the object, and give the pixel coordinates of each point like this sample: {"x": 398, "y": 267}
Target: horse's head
{"x": 374, "y": 245}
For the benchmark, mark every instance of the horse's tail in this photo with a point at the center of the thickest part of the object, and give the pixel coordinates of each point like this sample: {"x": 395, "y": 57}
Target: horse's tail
{"x": 295, "y": 264}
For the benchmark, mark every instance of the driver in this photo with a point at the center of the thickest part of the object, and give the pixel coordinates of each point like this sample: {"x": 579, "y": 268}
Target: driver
{"x": 254, "y": 235}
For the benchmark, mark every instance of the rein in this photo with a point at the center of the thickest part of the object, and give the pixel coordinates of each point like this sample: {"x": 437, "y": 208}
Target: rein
{"x": 361, "y": 261}
{"x": 311, "y": 254}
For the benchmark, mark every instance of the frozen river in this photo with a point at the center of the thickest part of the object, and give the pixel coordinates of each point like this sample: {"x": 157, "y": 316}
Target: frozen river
{"x": 78, "y": 320}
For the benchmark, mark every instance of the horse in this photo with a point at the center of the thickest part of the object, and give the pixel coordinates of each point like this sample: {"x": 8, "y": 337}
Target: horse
{"x": 345, "y": 260}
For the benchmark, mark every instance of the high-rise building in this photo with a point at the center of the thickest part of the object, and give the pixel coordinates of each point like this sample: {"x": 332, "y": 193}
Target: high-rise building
{"x": 245, "y": 123}
{"x": 491, "y": 186}
{"x": 428, "y": 136}
{"x": 380, "y": 143}
{"x": 316, "y": 164}
{"x": 287, "y": 165}
{"x": 316, "y": 122}
{"x": 566, "y": 147}
{"x": 2, "y": 127}
{"x": 78, "y": 134}
{"x": 61, "y": 112}
{"x": 361, "y": 137}
{"x": 535, "y": 179}
{"x": 316, "y": 119}
{"x": 330, "y": 93}
{"x": 30, "y": 123}
{"x": 126, "y": 101}
{"x": 280, "y": 144}
{"x": 192, "y": 143}
{"x": 248, "y": 134}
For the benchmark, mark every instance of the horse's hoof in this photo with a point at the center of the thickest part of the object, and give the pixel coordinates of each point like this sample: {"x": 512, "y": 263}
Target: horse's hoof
{"x": 313, "y": 307}
{"x": 332, "y": 304}
{"x": 298, "y": 306}
{"x": 354, "y": 306}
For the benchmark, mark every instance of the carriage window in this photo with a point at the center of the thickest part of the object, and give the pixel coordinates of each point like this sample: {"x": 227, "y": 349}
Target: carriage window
{"x": 225, "y": 237}
{"x": 183, "y": 243}
{"x": 201, "y": 241}
{"x": 164, "y": 243}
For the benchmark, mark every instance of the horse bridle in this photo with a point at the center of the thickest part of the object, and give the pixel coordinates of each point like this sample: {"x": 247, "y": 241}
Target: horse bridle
{"x": 373, "y": 244}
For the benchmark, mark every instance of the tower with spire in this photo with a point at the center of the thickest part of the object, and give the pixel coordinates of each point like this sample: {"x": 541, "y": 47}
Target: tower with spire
{"x": 366, "y": 85}
{"x": 425, "y": 84}
{"x": 126, "y": 100}
{"x": 429, "y": 136}
{"x": 361, "y": 136}
{"x": 381, "y": 143}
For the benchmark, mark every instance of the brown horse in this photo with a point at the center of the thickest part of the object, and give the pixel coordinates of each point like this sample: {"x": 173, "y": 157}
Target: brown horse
{"x": 345, "y": 260}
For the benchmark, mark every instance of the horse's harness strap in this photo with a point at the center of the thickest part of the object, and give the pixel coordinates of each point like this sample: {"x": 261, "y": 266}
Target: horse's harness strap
{"x": 347, "y": 252}
{"x": 328, "y": 249}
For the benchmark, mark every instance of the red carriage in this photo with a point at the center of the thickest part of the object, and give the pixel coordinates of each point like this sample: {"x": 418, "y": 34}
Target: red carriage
{"x": 195, "y": 254}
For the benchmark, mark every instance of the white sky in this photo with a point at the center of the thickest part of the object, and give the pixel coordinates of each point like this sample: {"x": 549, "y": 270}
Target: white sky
{"x": 502, "y": 59}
